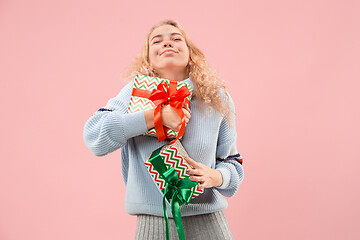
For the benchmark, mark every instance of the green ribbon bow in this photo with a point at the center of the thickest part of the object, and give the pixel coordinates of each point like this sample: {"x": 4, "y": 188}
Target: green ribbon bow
{"x": 177, "y": 192}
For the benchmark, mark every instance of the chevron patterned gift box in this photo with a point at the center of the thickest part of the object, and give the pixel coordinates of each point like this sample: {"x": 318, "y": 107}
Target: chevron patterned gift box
{"x": 145, "y": 84}
{"x": 173, "y": 156}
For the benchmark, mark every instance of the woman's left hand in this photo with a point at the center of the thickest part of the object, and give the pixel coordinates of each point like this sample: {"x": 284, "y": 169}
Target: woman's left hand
{"x": 207, "y": 177}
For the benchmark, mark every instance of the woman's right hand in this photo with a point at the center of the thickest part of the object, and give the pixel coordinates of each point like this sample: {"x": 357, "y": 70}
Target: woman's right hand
{"x": 171, "y": 119}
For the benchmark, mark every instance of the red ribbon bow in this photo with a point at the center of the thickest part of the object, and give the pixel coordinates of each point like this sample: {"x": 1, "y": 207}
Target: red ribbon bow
{"x": 164, "y": 95}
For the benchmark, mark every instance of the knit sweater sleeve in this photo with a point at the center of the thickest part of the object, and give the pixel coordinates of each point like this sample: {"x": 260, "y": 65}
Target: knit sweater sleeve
{"x": 109, "y": 128}
{"x": 228, "y": 159}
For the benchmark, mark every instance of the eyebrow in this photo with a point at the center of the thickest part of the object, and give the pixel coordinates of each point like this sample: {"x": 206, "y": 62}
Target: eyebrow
{"x": 159, "y": 35}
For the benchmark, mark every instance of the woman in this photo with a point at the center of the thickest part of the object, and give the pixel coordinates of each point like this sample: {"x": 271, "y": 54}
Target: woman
{"x": 209, "y": 138}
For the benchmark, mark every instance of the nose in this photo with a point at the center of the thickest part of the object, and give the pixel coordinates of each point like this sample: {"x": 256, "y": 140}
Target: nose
{"x": 168, "y": 44}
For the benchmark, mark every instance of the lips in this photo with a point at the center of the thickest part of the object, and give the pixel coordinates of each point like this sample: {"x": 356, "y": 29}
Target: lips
{"x": 168, "y": 50}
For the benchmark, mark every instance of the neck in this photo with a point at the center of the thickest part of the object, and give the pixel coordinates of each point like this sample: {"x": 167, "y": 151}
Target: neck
{"x": 174, "y": 75}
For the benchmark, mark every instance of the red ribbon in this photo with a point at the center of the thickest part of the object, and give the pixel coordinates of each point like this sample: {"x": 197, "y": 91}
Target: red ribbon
{"x": 163, "y": 95}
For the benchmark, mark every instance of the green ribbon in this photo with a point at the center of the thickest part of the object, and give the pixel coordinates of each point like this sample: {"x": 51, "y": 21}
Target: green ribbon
{"x": 177, "y": 192}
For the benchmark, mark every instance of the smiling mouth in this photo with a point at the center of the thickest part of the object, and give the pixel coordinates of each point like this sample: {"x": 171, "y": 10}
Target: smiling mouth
{"x": 168, "y": 52}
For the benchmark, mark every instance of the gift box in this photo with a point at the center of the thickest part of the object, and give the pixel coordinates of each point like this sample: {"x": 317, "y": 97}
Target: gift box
{"x": 172, "y": 156}
{"x": 167, "y": 168}
{"x": 145, "y": 86}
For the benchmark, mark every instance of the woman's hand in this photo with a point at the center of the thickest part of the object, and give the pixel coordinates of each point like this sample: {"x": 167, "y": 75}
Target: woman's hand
{"x": 171, "y": 119}
{"x": 207, "y": 177}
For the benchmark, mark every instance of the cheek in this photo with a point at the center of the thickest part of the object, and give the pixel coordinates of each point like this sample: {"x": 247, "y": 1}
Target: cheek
{"x": 152, "y": 53}
{"x": 184, "y": 48}
{"x": 185, "y": 51}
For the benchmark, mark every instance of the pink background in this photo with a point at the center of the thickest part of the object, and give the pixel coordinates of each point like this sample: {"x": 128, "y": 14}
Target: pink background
{"x": 292, "y": 68}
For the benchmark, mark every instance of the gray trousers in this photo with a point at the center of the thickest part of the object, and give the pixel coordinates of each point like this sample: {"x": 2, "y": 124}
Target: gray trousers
{"x": 212, "y": 226}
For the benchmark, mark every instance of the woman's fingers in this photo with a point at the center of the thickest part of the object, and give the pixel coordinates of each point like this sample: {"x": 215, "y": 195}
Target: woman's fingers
{"x": 193, "y": 163}
{"x": 178, "y": 127}
{"x": 186, "y": 113}
{"x": 187, "y": 107}
{"x": 196, "y": 179}
{"x": 192, "y": 172}
{"x": 171, "y": 119}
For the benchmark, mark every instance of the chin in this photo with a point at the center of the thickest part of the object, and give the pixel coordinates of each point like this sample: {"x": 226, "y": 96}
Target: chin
{"x": 171, "y": 63}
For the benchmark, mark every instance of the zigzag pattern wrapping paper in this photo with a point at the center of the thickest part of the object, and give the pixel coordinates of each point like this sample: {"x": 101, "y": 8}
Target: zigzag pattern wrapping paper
{"x": 173, "y": 157}
{"x": 141, "y": 104}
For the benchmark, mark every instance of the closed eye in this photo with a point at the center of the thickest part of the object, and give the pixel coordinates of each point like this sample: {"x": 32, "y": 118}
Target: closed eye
{"x": 174, "y": 39}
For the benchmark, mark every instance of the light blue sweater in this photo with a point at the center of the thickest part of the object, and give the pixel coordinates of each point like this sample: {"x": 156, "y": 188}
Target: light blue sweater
{"x": 207, "y": 139}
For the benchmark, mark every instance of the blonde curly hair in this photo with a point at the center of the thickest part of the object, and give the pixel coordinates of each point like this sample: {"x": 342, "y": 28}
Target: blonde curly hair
{"x": 206, "y": 80}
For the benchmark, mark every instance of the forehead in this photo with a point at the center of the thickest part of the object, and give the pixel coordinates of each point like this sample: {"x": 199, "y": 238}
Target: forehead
{"x": 164, "y": 30}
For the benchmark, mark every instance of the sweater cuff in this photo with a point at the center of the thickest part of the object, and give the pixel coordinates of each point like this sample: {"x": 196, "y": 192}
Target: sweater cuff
{"x": 134, "y": 124}
{"x": 226, "y": 174}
